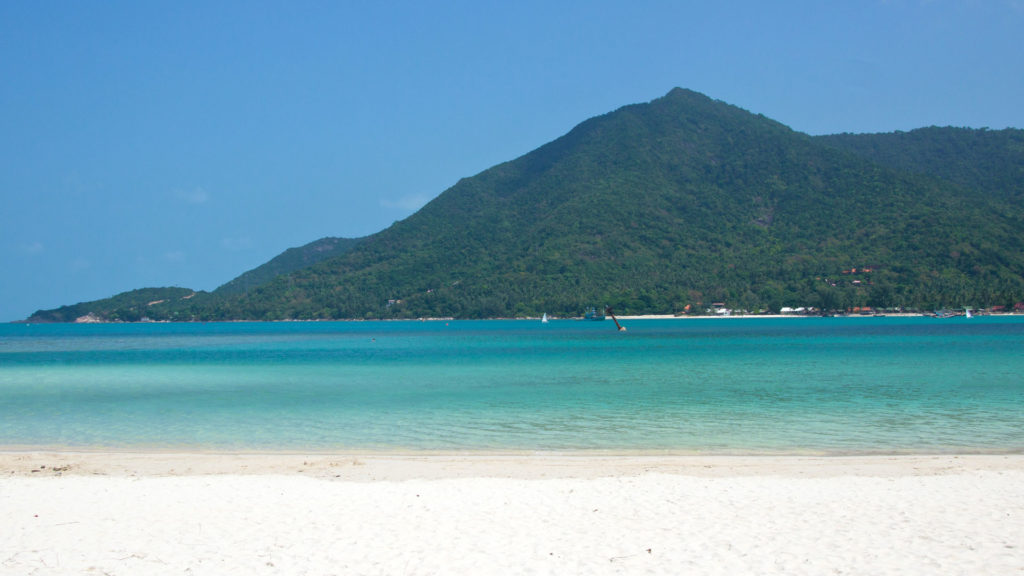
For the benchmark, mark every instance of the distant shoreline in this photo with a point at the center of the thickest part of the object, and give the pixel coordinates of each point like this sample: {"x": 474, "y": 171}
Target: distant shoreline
{"x": 536, "y": 318}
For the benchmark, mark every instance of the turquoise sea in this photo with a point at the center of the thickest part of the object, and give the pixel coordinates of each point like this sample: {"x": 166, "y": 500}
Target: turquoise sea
{"x": 759, "y": 385}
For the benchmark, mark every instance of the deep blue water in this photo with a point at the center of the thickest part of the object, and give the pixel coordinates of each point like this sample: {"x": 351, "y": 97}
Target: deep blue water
{"x": 815, "y": 385}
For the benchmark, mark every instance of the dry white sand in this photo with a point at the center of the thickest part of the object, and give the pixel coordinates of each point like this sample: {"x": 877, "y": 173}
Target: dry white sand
{"x": 67, "y": 513}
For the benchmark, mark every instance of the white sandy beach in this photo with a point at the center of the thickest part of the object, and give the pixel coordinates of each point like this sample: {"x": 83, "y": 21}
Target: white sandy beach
{"x": 90, "y": 513}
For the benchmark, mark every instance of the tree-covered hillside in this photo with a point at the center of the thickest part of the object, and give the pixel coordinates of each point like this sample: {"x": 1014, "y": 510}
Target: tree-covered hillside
{"x": 132, "y": 306}
{"x": 683, "y": 201}
{"x": 986, "y": 161}
{"x": 288, "y": 261}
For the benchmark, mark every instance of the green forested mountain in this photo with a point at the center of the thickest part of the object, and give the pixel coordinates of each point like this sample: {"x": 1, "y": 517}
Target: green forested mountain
{"x": 682, "y": 201}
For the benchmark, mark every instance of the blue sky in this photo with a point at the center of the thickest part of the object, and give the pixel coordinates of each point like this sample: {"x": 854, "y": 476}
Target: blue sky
{"x": 183, "y": 143}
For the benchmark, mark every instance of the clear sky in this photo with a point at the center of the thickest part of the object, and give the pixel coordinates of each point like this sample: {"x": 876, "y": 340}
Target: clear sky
{"x": 183, "y": 143}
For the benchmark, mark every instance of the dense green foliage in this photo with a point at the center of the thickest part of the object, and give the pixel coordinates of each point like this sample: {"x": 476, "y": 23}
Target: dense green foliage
{"x": 289, "y": 261}
{"x": 984, "y": 161}
{"x": 133, "y": 306}
{"x": 684, "y": 201}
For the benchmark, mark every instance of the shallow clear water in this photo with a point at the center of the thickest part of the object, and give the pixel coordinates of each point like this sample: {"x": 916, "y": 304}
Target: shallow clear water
{"x": 832, "y": 385}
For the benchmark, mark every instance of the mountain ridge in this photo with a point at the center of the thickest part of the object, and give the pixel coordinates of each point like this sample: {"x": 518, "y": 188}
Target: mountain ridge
{"x": 288, "y": 261}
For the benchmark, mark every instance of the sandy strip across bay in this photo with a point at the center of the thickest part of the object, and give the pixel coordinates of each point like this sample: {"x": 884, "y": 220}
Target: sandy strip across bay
{"x": 516, "y": 513}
